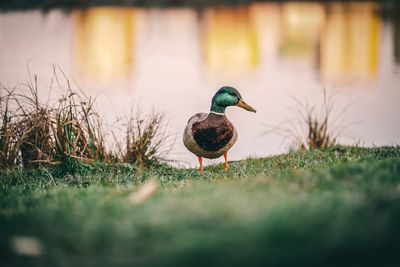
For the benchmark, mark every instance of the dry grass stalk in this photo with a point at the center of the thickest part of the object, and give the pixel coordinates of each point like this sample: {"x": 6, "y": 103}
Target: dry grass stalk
{"x": 33, "y": 133}
{"x": 144, "y": 192}
{"x": 9, "y": 141}
{"x": 318, "y": 134}
{"x": 312, "y": 128}
{"x": 146, "y": 139}
{"x": 77, "y": 129}
{"x": 36, "y": 147}
{"x": 33, "y": 125}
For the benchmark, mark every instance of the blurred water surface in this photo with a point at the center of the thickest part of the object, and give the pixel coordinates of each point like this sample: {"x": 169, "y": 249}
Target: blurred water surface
{"x": 174, "y": 59}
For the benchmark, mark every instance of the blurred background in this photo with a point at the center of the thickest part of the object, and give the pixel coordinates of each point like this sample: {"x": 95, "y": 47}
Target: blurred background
{"x": 173, "y": 58}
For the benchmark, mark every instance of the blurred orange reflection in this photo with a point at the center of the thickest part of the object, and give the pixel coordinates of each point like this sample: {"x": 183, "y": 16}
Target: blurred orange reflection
{"x": 230, "y": 39}
{"x": 350, "y": 40}
{"x": 302, "y": 23}
{"x": 103, "y": 42}
{"x": 268, "y": 22}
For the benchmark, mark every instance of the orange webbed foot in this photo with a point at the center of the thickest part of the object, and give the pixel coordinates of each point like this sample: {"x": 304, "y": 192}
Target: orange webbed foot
{"x": 226, "y": 161}
{"x": 201, "y": 170}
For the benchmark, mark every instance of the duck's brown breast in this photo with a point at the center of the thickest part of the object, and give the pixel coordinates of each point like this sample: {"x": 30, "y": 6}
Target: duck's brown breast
{"x": 213, "y": 133}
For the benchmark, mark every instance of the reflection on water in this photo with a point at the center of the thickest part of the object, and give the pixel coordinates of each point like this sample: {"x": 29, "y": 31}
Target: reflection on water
{"x": 103, "y": 42}
{"x": 230, "y": 40}
{"x": 350, "y": 41}
{"x": 174, "y": 59}
{"x": 301, "y": 29}
{"x": 341, "y": 39}
{"x": 267, "y": 20}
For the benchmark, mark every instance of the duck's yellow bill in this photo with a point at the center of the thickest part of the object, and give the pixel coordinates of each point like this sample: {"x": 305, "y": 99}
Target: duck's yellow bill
{"x": 243, "y": 104}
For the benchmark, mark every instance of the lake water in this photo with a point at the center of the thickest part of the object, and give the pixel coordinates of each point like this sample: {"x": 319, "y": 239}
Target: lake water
{"x": 174, "y": 60}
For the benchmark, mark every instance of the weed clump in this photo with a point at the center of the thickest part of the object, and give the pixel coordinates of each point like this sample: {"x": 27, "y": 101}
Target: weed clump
{"x": 70, "y": 132}
{"x": 77, "y": 129}
{"x": 146, "y": 139}
{"x": 9, "y": 140}
{"x": 318, "y": 128}
{"x": 33, "y": 121}
{"x": 312, "y": 128}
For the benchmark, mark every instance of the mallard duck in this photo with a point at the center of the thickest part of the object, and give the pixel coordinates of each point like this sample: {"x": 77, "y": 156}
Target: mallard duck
{"x": 211, "y": 135}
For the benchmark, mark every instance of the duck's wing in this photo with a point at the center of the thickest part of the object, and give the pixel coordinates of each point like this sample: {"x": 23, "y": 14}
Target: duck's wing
{"x": 188, "y": 139}
{"x": 197, "y": 118}
{"x": 213, "y": 133}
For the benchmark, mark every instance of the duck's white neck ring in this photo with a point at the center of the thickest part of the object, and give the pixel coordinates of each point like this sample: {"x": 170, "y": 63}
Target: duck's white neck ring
{"x": 217, "y": 113}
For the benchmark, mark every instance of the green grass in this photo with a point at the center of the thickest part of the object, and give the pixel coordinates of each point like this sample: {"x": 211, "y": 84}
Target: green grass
{"x": 333, "y": 207}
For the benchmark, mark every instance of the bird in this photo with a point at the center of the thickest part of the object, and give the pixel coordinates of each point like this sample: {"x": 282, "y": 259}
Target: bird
{"x": 211, "y": 135}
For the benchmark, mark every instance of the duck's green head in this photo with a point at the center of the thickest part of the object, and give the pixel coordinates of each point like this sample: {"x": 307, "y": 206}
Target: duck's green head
{"x": 228, "y": 96}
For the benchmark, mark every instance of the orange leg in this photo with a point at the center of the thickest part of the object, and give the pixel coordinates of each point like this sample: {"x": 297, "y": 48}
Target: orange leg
{"x": 201, "y": 164}
{"x": 226, "y": 161}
